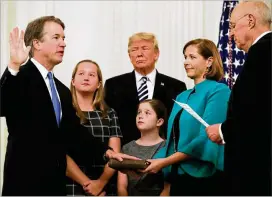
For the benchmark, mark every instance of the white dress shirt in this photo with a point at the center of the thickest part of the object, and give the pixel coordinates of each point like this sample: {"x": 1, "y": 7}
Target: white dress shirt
{"x": 150, "y": 82}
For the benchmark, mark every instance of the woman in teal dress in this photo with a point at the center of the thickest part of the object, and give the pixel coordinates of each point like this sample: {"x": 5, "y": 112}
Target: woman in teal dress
{"x": 191, "y": 162}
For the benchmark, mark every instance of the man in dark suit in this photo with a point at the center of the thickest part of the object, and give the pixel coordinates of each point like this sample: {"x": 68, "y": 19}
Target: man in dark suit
{"x": 39, "y": 113}
{"x": 123, "y": 93}
{"x": 247, "y": 129}
{"x": 38, "y": 110}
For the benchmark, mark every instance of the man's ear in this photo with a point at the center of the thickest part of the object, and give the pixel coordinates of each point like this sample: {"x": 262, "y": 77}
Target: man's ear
{"x": 160, "y": 122}
{"x": 36, "y": 44}
{"x": 157, "y": 55}
{"x": 251, "y": 21}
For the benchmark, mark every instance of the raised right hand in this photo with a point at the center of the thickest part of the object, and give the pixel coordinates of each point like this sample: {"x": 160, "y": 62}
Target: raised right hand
{"x": 18, "y": 52}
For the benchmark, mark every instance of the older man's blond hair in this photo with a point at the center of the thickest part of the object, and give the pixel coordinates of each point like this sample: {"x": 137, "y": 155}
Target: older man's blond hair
{"x": 143, "y": 36}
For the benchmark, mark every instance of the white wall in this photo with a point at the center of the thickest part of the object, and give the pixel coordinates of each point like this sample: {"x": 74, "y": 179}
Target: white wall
{"x": 99, "y": 30}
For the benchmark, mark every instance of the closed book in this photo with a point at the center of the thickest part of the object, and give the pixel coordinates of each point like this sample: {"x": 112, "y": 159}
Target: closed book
{"x": 128, "y": 164}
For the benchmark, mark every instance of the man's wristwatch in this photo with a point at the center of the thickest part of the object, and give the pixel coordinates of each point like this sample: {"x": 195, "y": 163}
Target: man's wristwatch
{"x": 105, "y": 156}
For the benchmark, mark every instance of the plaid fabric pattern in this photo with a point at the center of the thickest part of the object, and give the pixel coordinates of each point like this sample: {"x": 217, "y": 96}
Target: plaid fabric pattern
{"x": 74, "y": 189}
{"x": 101, "y": 128}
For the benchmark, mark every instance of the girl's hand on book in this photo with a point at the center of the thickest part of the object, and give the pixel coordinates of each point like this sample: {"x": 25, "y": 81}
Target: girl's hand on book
{"x": 119, "y": 156}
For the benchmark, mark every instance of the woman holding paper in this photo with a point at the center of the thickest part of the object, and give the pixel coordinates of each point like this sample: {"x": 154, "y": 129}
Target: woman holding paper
{"x": 190, "y": 159}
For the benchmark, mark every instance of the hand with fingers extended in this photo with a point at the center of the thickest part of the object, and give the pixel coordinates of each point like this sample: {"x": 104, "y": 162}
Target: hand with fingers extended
{"x": 119, "y": 156}
{"x": 18, "y": 52}
{"x": 94, "y": 187}
{"x": 155, "y": 166}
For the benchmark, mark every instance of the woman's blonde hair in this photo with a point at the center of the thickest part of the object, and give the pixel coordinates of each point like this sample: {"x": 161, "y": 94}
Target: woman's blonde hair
{"x": 98, "y": 99}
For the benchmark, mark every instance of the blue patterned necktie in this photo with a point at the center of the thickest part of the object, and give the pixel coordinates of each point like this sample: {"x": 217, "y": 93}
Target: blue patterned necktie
{"x": 55, "y": 100}
{"x": 143, "y": 91}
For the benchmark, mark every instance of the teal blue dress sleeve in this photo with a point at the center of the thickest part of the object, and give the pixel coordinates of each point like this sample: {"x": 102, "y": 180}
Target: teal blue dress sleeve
{"x": 201, "y": 147}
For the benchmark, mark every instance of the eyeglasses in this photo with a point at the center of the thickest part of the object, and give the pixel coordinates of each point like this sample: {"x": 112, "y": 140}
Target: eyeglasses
{"x": 232, "y": 25}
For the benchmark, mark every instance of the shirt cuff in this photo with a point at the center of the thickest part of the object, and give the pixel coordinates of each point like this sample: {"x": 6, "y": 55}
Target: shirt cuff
{"x": 221, "y": 134}
{"x": 13, "y": 72}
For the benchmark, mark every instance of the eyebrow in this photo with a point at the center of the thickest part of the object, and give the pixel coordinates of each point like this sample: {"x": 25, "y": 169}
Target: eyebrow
{"x": 139, "y": 46}
{"x": 143, "y": 110}
{"x": 84, "y": 71}
{"x": 58, "y": 35}
{"x": 147, "y": 110}
{"x": 193, "y": 54}
{"x": 232, "y": 23}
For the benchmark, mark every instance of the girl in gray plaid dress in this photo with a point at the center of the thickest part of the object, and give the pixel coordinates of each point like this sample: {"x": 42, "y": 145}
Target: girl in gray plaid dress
{"x": 99, "y": 129}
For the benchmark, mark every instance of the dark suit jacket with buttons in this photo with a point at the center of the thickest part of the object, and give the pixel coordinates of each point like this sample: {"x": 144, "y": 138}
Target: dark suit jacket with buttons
{"x": 35, "y": 161}
{"x": 247, "y": 129}
{"x": 121, "y": 94}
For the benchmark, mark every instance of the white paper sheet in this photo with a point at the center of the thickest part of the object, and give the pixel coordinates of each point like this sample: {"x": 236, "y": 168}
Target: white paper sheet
{"x": 192, "y": 112}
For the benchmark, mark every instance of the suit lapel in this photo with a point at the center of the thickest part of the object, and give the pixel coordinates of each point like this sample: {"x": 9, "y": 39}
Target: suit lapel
{"x": 159, "y": 87}
{"x": 39, "y": 81}
{"x": 131, "y": 88}
{"x": 43, "y": 95}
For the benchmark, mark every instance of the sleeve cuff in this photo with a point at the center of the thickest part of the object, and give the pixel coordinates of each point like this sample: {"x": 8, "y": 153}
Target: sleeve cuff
{"x": 13, "y": 72}
{"x": 221, "y": 134}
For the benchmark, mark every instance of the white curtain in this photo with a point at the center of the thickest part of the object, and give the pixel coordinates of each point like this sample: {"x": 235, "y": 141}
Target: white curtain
{"x": 99, "y": 30}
